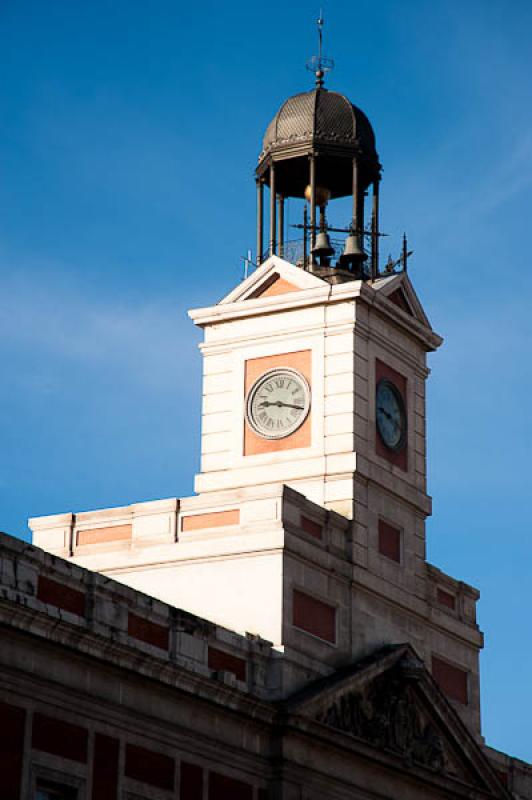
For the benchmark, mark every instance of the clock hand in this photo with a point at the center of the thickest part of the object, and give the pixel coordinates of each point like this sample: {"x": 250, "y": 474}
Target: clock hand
{"x": 279, "y": 404}
{"x": 386, "y": 414}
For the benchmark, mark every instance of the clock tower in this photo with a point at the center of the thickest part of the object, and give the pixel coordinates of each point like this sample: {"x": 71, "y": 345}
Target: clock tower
{"x": 315, "y": 366}
{"x": 307, "y": 528}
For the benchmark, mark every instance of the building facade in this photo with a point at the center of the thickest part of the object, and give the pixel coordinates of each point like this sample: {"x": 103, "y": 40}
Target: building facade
{"x": 280, "y": 634}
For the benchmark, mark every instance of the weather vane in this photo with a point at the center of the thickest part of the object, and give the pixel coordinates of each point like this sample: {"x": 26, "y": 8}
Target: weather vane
{"x": 320, "y": 64}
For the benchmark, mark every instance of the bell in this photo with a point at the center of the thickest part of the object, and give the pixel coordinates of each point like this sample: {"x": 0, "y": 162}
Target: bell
{"x": 323, "y": 248}
{"x": 353, "y": 252}
{"x": 323, "y": 195}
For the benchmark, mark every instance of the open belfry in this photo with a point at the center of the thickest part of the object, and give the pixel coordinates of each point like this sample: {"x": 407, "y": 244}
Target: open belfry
{"x": 279, "y": 635}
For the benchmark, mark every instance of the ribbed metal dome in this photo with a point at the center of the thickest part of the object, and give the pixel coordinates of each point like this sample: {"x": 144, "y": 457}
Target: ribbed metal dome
{"x": 320, "y": 116}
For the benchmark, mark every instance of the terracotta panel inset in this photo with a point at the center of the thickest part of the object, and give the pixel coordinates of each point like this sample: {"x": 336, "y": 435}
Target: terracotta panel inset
{"x": 313, "y": 616}
{"x": 398, "y": 298}
{"x": 400, "y": 459}
{"x": 255, "y": 367}
{"x": 113, "y": 533}
{"x": 61, "y": 596}
{"x": 191, "y": 782}
{"x": 274, "y": 286}
{"x": 389, "y": 541}
{"x": 105, "y": 768}
{"x": 222, "y": 787}
{"x": 214, "y": 519}
{"x": 12, "y": 725}
{"x": 59, "y": 738}
{"x": 155, "y": 769}
{"x": 312, "y": 528}
{"x": 446, "y": 598}
{"x": 451, "y": 680}
{"x": 225, "y": 662}
{"x": 146, "y": 631}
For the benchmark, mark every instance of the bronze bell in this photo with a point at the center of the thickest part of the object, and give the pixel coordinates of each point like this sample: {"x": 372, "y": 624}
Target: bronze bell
{"x": 353, "y": 251}
{"x": 323, "y": 248}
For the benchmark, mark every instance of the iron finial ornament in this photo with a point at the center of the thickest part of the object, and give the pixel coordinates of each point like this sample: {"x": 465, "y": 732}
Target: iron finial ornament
{"x": 320, "y": 64}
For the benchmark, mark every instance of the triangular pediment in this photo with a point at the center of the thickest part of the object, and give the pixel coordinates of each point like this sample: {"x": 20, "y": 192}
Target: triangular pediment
{"x": 273, "y": 278}
{"x": 390, "y": 704}
{"x": 398, "y": 290}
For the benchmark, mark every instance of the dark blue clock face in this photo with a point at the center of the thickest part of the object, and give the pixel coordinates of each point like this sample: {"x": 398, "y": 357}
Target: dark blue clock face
{"x": 390, "y": 415}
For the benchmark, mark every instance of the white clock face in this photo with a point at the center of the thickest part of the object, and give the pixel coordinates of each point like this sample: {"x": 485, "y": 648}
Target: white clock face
{"x": 278, "y": 403}
{"x": 391, "y": 416}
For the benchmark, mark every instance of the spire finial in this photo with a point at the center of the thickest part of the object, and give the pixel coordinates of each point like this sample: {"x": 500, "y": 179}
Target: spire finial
{"x": 320, "y": 64}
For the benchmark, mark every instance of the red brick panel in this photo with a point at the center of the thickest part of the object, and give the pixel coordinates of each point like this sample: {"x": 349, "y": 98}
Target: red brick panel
{"x": 400, "y": 459}
{"x": 398, "y": 298}
{"x": 389, "y": 541}
{"x": 221, "y": 787}
{"x": 214, "y": 519}
{"x": 274, "y": 286}
{"x": 313, "y": 616}
{"x": 155, "y": 769}
{"x": 113, "y": 533}
{"x": 61, "y": 596}
{"x": 59, "y": 738}
{"x": 312, "y": 528}
{"x": 255, "y": 367}
{"x": 451, "y": 680}
{"x": 105, "y": 768}
{"x": 225, "y": 662}
{"x": 12, "y": 723}
{"x": 191, "y": 784}
{"x": 146, "y": 631}
{"x": 446, "y": 598}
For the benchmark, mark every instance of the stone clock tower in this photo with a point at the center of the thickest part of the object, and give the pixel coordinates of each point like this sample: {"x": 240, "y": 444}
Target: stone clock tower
{"x": 346, "y": 425}
{"x": 307, "y": 528}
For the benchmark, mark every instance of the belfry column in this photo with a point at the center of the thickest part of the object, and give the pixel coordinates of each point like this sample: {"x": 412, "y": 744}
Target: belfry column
{"x": 312, "y": 201}
{"x": 273, "y": 211}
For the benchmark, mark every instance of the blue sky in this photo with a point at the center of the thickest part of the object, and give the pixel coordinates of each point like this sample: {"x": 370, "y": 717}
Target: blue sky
{"x": 128, "y": 138}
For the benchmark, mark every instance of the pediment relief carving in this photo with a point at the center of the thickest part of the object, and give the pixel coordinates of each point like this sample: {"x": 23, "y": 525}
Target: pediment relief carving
{"x": 388, "y": 714}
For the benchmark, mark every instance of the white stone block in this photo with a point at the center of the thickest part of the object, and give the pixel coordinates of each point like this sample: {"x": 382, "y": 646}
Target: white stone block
{"x": 361, "y": 366}
{"x": 216, "y": 363}
{"x": 260, "y": 511}
{"x": 341, "y": 463}
{"x": 341, "y": 362}
{"x": 361, "y": 427}
{"x": 340, "y": 312}
{"x": 339, "y": 343}
{"x": 339, "y": 403}
{"x": 217, "y": 422}
{"x": 339, "y": 423}
{"x": 219, "y": 402}
{"x": 220, "y": 382}
{"x": 338, "y": 489}
{"x": 361, "y": 407}
{"x": 156, "y": 526}
{"x": 339, "y": 443}
{"x": 339, "y": 384}
{"x": 211, "y": 462}
{"x": 216, "y": 442}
